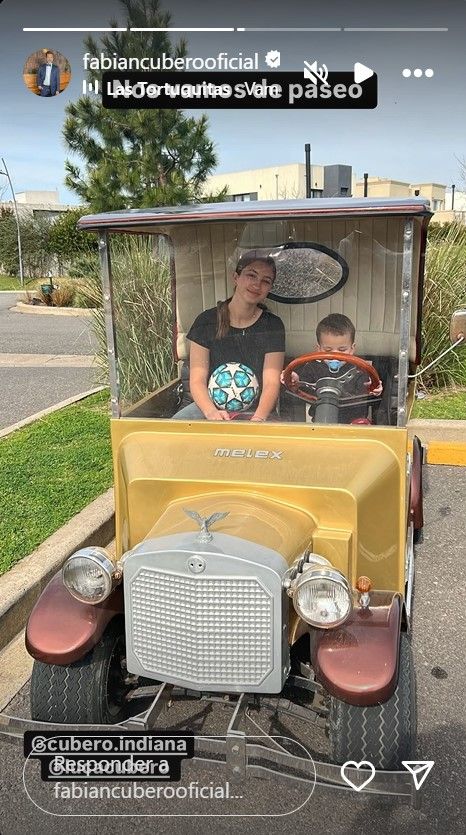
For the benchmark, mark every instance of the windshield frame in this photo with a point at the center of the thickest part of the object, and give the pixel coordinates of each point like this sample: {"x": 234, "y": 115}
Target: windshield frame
{"x": 405, "y": 301}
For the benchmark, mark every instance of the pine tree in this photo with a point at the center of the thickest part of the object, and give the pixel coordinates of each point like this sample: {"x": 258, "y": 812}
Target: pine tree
{"x": 136, "y": 158}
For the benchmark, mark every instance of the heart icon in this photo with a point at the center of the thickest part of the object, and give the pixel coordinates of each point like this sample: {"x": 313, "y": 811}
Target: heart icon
{"x": 364, "y": 766}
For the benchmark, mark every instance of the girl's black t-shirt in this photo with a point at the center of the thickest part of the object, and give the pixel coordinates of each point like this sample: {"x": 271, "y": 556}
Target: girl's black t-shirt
{"x": 246, "y": 345}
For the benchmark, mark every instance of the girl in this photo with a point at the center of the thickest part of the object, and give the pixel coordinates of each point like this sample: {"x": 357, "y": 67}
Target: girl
{"x": 240, "y": 329}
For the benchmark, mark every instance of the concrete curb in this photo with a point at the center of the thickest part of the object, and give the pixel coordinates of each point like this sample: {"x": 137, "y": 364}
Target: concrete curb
{"x": 22, "y": 307}
{"x": 438, "y": 430}
{"x": 38, "y": 415}
{"x": 22, "y": 585}
{"x": 47, "y": 360}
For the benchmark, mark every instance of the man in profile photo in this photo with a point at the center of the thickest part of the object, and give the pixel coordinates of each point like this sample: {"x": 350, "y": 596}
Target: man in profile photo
{"x": 48, "y": 77}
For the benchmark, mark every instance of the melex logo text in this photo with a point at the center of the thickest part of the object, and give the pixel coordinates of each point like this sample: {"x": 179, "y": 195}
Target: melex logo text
{"x": 223, "y": 452}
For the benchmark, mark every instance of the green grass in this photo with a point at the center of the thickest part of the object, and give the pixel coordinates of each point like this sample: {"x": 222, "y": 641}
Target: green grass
{"x": 442, "y": 405}
{"x": 10, "y": 282}
{"x": 49, "y": 471}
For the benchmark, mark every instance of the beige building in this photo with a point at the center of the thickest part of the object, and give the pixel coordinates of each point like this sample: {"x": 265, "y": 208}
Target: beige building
{"x": 435, "y": 192}
{"x": 38, "y": 196}
{"x": 380, "y": 187}
{"x": 455, "y": 208}
{"x": 38, "y": 204}
{"x": 278, "y": 182}
{"x": 281, "y": 182}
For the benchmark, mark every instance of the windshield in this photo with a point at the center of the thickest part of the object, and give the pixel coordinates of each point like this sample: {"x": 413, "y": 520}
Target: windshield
{"x": 208, "y": 315}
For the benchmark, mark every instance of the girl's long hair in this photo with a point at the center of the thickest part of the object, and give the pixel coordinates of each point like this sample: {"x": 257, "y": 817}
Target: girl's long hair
{"x": 223, "y": 311}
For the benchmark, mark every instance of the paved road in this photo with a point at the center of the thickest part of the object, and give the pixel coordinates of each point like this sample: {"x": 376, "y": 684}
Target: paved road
{"x": 439, "y": 639}
{"x": 28, "y": 389}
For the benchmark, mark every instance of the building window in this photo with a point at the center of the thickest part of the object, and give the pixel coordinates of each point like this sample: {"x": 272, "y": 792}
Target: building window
{"x": 437, "y": 205}
{"x": 48, "y": 214}
{"x": 240, "y": 198}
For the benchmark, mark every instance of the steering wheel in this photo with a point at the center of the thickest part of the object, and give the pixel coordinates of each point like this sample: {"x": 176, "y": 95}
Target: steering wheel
{"x": 363, "y": 365}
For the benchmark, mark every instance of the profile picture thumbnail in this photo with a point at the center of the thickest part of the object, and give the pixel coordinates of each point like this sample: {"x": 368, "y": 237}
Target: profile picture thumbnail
{"x": 46, "y": 72}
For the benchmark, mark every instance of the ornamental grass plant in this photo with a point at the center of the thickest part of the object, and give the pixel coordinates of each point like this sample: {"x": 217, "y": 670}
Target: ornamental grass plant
{"x": 63, "y": 294}
{"x": 142, "y": 313}
{"x": 444, "y": 290}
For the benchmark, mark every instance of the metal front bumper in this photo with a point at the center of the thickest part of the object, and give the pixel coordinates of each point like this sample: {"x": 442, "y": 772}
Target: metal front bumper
{"x": 243, "y": 758}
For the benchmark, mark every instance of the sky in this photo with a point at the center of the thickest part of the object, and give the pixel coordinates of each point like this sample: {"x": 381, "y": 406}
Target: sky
{"x": 416, "y": 134}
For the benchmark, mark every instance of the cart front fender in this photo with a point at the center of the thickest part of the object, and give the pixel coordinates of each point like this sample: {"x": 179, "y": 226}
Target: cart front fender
{"x": 62, "y": 630}
{"x": 358, "y": 662}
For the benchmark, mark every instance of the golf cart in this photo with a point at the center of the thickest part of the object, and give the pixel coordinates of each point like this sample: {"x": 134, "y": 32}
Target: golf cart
{"x": 256, "y": 558}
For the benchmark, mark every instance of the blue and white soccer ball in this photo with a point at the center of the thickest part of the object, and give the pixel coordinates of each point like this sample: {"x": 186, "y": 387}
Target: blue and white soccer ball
{"x": 233, "y": 386}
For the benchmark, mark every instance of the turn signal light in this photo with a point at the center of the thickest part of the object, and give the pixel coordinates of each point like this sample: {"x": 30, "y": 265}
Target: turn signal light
{"x": 363, "y": 585}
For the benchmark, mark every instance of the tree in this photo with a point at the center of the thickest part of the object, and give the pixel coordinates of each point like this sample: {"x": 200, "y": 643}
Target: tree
{"x": 66, "y": 242}
{"x": 34, "y": 238}
{"x": 136, "y": 158}
{"x": 9, "y": 261}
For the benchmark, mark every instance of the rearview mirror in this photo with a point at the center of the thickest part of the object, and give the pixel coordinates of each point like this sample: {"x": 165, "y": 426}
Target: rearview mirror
{"x": 458, "y": 326}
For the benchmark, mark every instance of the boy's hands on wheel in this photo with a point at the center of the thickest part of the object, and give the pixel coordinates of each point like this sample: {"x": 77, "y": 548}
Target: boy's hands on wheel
{"x": 294, "y": 380}
{"x": 377, "y": 391}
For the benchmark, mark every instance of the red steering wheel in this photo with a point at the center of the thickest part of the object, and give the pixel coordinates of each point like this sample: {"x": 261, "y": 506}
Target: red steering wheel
{"x": 328, "y": 355}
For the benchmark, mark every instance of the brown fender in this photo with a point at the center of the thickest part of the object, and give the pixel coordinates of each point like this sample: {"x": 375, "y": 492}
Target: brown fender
{"x": 61, "y": 630}
{"x": 358, "y": 662}
{"x": 416, "y": 511}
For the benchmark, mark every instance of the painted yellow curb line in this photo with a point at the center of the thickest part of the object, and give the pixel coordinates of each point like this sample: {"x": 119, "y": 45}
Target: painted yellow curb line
{"x": 445, "y": 440}
{"x": 446, "y": 452}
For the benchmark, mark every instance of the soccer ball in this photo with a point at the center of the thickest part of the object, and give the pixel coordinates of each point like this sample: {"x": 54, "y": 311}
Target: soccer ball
{"x": 233, "y": 386}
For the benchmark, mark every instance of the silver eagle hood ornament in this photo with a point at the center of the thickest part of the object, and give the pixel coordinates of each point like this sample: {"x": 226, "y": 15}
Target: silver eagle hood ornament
{"x": 204, "y": 523}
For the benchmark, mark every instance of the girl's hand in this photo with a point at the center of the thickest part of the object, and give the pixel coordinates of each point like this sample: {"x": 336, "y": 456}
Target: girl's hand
{"x": 217, "y": 414}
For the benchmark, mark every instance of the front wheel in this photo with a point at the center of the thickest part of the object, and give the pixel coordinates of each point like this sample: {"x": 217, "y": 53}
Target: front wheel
{"x": 383, "y": 734}
{"x": 90, "y": 691}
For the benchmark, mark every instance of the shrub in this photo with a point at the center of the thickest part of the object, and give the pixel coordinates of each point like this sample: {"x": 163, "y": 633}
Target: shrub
{"x": 63, "y": 294}
{"x": 45, "y": 298}
{"x": 444, "y": 290}
{"x": 66, "y": 242}
{"x": 34, "y": 242}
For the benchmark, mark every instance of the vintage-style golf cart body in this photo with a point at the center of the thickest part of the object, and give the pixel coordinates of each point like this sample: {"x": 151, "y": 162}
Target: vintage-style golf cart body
{"x": 306, "y": 508}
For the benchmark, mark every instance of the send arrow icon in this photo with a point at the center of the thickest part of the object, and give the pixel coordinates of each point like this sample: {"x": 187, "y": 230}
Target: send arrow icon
{"x": 420, "y": 769}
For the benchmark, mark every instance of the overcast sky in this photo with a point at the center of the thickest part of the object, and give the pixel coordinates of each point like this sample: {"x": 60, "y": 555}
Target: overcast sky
{"x": 416, "y": 133}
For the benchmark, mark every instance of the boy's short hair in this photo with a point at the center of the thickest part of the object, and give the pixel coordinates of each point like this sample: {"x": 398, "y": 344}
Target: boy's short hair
{"x": 337, "y": 324}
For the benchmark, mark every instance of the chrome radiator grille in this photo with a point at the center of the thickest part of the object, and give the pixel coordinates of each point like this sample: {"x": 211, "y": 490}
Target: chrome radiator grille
{"x": 204, "y": 630}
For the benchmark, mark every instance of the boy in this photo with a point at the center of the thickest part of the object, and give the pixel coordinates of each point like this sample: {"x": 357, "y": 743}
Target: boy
{"x": 337, "y": 333}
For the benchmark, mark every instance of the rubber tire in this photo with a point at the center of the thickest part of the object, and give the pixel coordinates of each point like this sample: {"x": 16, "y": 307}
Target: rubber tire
{"x": 79, "y": 693}
{"x": 383, "y": 734}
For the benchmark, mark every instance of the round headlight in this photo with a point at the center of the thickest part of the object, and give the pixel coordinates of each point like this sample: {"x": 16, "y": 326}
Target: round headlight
{"x": 322, "y": 597}
{"x": 88, "y": 575}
